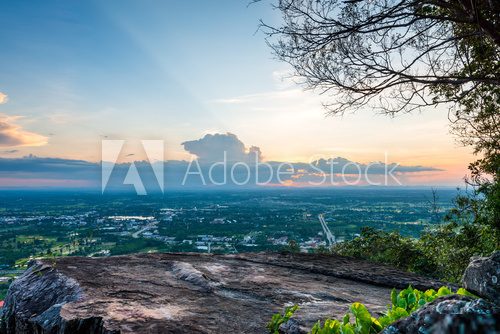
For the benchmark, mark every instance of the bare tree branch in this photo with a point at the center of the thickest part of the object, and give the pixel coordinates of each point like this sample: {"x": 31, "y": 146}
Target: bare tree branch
{"x": 388, "y": 55}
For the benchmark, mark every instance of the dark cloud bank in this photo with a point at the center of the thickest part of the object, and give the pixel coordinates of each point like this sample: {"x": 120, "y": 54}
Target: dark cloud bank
{"x": 208, "y": 169}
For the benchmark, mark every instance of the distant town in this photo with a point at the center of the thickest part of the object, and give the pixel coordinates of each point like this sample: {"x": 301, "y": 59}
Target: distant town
{"x": 53, "y": 225}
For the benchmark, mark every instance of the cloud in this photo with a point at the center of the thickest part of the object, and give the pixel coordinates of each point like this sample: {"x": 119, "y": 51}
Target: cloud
{"x": 210, "y": 151}
{"x": 87, "y": 173}
{"x": 286, "y": 89}
{"x": 287, "y": 100}
{"x": 32, "y": 166}
{"x": 12, "y": 134}
{"x": 3, "y": 98}
{"x": 10, "y": 151}
{"x": 212, "y": 147}
{"x": 346, "y": 166}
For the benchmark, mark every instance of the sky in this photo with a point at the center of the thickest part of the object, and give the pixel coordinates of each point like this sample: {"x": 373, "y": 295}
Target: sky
{"x": 74, "y": 73}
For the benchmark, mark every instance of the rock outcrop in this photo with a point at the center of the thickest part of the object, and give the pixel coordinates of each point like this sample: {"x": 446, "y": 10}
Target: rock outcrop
{"x": 193, "y": 293}
{"x": 482, "y": 277}
{"x": 450, "y": 314}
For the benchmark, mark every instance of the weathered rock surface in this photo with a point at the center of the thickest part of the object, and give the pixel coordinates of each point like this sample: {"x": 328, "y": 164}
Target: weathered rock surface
{"x": 482, "y": 277}
{"x": 451, "y": 314}
{"x": 193, "y": 293}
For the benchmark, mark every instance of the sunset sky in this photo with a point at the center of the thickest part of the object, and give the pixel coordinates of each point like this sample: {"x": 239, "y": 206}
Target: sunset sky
{"x": 75, "y": 73}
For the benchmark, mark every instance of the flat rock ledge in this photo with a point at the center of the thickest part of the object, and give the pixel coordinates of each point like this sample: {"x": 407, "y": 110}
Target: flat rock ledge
{"x": 193, "y": 293}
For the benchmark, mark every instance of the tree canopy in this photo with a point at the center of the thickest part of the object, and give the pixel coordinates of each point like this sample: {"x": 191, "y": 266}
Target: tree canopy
{"x": 390, "y": 55}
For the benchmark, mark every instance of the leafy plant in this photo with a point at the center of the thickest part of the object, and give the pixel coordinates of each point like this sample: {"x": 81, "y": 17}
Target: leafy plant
{"x": 334, "y": 326}
{"x": 409, "y": 300}
{"x": 403, "y": 303}
{"x": 278, "y": 319}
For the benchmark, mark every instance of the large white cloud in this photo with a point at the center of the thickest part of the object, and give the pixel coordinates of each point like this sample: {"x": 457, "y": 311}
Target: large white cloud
{"x": 212, "y": 148}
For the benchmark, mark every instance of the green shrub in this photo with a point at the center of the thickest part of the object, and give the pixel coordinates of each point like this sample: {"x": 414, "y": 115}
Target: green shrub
{"x": 364, "y": 323}
{"x": 403, "y": 303}
{"x": 443, "y": 252}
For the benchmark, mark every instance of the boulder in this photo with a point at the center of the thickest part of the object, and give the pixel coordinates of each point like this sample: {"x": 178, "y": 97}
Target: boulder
{"x": 482, "y": 277}
{"x": 450, "y": 314}
{"x": 35, "y": 298}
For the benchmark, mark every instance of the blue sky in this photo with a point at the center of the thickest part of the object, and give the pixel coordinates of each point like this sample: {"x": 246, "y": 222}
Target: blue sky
{"x": 129, "y": 64}
{"x": 75, "y": 72}
{"x": 148, "y": 57}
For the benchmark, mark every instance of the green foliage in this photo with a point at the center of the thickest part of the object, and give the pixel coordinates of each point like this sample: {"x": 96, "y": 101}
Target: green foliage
{"x": 403, "y": 303}
{"x": 442, "y": 252}
{"x": 449, "y": 247}
{"x": 278, "y": 319}
{"x": 407, "y": 301}
{"x": 386, "y": 247}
